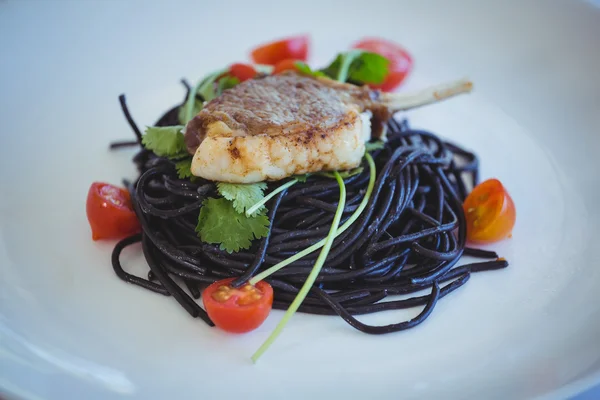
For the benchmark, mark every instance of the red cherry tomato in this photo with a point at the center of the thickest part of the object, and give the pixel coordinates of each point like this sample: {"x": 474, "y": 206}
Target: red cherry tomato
{"x": 238, "y": 310}
{"x": 285, "y": 65}
{"x": 242, "y": 71}
{"x": 295, "y": 47}
{"x": 400, "y": 61}
{"x": 490, "y": 212}
{"x": 110, "y": 213}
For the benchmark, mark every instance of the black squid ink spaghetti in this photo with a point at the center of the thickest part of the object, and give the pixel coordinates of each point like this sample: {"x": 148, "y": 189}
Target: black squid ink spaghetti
{"x": 327, "y": 242}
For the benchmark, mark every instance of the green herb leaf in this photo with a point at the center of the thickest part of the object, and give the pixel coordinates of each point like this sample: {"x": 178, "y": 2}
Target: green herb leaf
{"x": 376, "y": 145}
{"x": 343, "y": 174}
{"x": 351, "y": 172}
{"x": 165, "y": 141}
{"x": 369, "y": 68}
{"x": 184, "y": 169}
{"x": 207, "y": 87}
{"x": 301, "y": 178}
{"x": 358, "y": 66}
{"x": 304, "y": 68}
{"x": 226, "y": 82}
{"x": 333, "y": 69}
{"x": 219, "y": 223}
{"x": 194, "y": 111}
{"x": 243, "y": 195}
{"x": 216, "y": 84}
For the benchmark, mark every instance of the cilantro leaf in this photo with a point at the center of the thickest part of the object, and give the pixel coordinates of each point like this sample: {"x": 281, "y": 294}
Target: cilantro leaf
{"x": 358, "y": 66}
{"x": 304, "y": 69}
{"x": 184, "y": 169}
{"x": 219, "y": 223}
{"x": 376, "y": 145}
{"x": 243, "y": 195}
{"x": 165, "y": 141}
{"x": 301, "y": 178}
{"x": 343, "y": 174}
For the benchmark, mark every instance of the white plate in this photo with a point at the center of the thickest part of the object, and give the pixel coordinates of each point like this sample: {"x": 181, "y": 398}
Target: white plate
{"x": 70, "y": 329}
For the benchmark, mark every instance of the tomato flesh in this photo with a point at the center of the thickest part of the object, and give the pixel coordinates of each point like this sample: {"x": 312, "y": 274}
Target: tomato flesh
{"x": 400, "y": 61}
{"x": 242, "y": 71}
{"x": 295, "y": 47}
{"x": 238, "y": 310}
{"x": 285, "y": 65}
{"x": 110, "y": 213}
{"x": 490, "y": 212}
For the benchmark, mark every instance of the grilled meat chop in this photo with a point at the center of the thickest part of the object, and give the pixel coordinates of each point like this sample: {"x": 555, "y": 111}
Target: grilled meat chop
{"x": 289, "y": 124}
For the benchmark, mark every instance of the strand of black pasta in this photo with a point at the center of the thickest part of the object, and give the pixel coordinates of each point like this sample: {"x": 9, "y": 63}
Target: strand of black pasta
{"x": 164, "y": 246}
{"x": 178, "y": 294}
{"x": 377, "y": 330}
{"x": 129, "y": 119}
{"x": 469, "y": 251}
{"x": 127, "y": 277}
{"x": 148, "y": 208}
{"x": 326, "y": 308}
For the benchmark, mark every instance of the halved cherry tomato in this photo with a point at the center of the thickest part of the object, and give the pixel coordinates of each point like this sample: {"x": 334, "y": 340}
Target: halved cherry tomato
{"x": 295, "y": 47}
{"x": 400, "y": 61}
{"x": 238, "y": 310}
{"x": 490, "y": 212}
{"x": 242, "y": 71}
{"x": 110, "y": 213}
{"x": 285, "y": 65}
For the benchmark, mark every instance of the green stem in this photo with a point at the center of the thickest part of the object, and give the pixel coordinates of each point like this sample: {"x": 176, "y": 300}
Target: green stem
{"x": 250, "y": 211}
{"x": 346, "y": 62}
{"x": 207, "y": 88}
{"x": 313, "y": 273}
{"x": 189, "y": 104}
{"x": 320, "y": 244}
{"x": 204, "y": 88}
